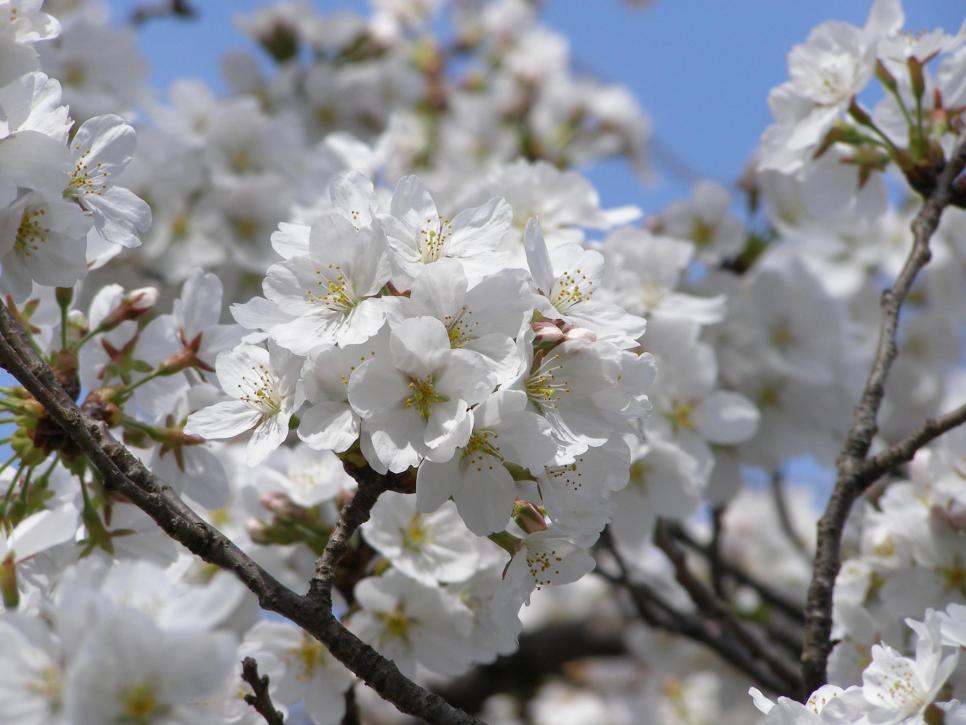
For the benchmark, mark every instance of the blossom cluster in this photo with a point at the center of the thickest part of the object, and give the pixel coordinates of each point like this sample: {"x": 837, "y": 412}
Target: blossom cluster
{"x": 379, "y": 260}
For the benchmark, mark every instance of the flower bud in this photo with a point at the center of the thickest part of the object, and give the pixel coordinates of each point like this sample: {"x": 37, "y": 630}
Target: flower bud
{"x": 257, "y": 531}
{"x": 278, "y": 503}
{"x": 580, "y": 333}
{"x": 133, "y": 305}
{"x": 528, "y": 517}
{"x": 546, "y": 333}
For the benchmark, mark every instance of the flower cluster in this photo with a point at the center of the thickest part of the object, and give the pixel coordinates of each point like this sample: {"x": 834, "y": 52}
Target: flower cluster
{"x": 377, "y": 264}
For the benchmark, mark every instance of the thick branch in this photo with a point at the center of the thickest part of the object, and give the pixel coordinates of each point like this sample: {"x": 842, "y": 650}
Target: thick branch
{"x": 123, "y": 473}
{"x": 541, "y": 654}
{"x": 261, "y": 700}
{"x": 352, "y": 516}
{"x": 853, "y": 473}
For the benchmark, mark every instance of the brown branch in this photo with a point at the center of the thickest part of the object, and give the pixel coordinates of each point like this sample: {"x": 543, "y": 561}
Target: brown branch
{"x": 714, "y": 550}
{"x": 719, "y": 611}
{"x": 170, "y": 8}
{"x": 789, "y": 608}
{"x": 542, "y": 653}
{"x": 261, "y": 700}
{"x": 904, "y": 451}
{"x": 351, "y": 716}
{"x": 853, "y": 474}
{"x": 785, "y": 518}
{"x": 659, "y": 614}
{"x": 124, "y": 474}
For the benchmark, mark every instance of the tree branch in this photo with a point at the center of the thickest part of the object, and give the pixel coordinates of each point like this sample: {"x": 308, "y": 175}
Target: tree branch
{"x": 789, "y": 608}
{"x": 853, "y": 474}
{"x": 542, "y": 653}
{"x": 656, "y": 612}
{"x": 123, "y": 473}
{"x": 785, "y": 518}
{"x": 169, "y": 8}
{"x": 717, "y": 610}
{"x": 904, "y": 451}
{"x": 261, "y": 700}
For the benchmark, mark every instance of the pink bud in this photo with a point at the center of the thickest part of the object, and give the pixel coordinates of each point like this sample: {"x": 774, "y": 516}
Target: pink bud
{"x": 257, "y": 531}
{"x": 580, "y": 333}
{"x": 546, "y": 332}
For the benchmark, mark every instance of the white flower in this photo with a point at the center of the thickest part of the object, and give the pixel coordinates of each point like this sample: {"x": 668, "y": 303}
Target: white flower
{"x": 332, "y": 293}
{"x": 545, "y": 558}
{"x": 127, "y": 670}
{"x": 567, "y": 281}
{"x": 476, "y": 477}
{"x": 329, "y": 422}
{"x": 483, "y": 318}
{"x": 906, "y": 687}
{"x": 31, "y": 673}
{"x": 409, "y": 622}
{"x": 311, "y": 673}
{"x": 431, "y": 547}
{"x": 311, "y": 477}
{"x": 22, "y": 23}
{"x": 264, "y": 385}
{"x": 825, "y": 72}
{"x": 419, "y": 235}
{"x": 33, "y": 137}
{"x": 42, "y": 240}
{"x": 642, "y": 272}
{"x": 706, "y": 222}
{"x": 101, "y": 149}
{"x": 416, "y": 401}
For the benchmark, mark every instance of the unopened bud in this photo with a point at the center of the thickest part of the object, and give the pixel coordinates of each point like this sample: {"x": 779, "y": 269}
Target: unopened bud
{"x": 528, "y": 517}
{"x": 278, "y": 503}
{"x": 580, "y": 333}
{"x": 546, "y": 333}
{"x": 64, "y": 296}
{"x": 133, "y": 305}
{"x": 916, "y": 78}
{"x": 257, "y": 531}
{"x": 885, "y": 77}
{"x": 8, "y": 583}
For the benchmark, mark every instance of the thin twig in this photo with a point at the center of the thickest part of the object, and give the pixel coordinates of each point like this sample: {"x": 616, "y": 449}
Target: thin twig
{"x": 785, "y": 518}
{"x": 261, "y": 700}
{"x": 654, "y": 610}
{"x": 124, "y": 473}
{"x": 714, "y": 551}
{"x": 904, "y": 451}
{"x": 789, "y": 608}
{"x": 167, "y": 9}
{"x": 853, "y": 474}
{"x": 713, "y": 608}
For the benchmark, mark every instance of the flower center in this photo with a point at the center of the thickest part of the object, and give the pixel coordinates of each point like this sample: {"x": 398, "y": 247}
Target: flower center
{"x": 140, "y": 704}
{"x": 31, "y": 233}
{"x": 481, "y": 446}
{"x": 396, "y": 624}
{"x": 333, "y": 292}
{"x": 262, "y": 394}
{"x": 433, "y": 236}
{"x": 48, "y": 682}
{"x": 86, "y": 181}
{"x": 570, "y": 289}
{"x": 546, "y": 386}
{"x": 423, "y": 395}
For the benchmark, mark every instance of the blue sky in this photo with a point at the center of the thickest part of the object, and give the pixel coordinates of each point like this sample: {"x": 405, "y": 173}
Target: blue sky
{"x": 701, "y": 68}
